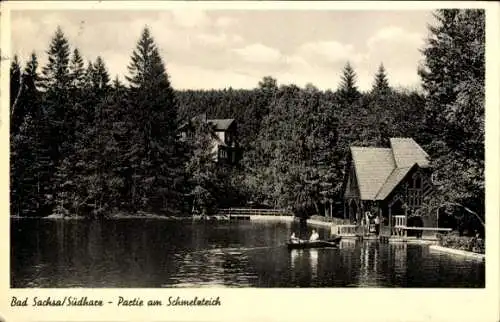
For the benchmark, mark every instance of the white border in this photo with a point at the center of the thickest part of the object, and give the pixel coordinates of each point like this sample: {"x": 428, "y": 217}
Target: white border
{"x": 335, "y": 304}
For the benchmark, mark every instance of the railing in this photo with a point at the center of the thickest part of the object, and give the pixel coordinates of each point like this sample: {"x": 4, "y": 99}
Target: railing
{"x": 345, "y": 230}
{"x": 400, "y": 221}
{"x": 253, "y": 212}
{"x": 429, "y": 229}
{"x": 387, "y": 231}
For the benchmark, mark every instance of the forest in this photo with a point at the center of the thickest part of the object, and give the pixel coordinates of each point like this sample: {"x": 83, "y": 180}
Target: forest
{"x": 82, "y": 144}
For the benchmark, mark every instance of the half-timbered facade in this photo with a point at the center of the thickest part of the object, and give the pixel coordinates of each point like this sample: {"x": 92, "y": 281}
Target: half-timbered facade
{"x": 390, "y": 183}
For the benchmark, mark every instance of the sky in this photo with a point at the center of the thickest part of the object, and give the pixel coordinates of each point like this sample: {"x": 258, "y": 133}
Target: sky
{"x": 205, "y": 49}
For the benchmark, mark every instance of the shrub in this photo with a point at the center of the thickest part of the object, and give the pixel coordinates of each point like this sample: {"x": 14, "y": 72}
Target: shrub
{"x": 471, "y": 244}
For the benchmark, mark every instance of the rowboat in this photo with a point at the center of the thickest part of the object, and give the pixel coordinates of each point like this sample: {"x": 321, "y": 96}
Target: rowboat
{"x": 303, "y": 244}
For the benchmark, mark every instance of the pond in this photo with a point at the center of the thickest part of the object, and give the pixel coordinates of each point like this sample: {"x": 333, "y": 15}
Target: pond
{"x": 157, "y": 253}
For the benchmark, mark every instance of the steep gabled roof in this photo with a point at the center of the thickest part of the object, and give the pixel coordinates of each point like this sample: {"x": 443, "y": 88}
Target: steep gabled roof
{"x": 221, "y": 124}
{"x": 372, "y": 166}
{"x": 380, "y": 170}
{"x": 407, "y": 152}
{"x": 392, "y": 181}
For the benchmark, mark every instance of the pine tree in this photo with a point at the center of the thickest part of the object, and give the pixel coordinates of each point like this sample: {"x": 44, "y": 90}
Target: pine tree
{"x": 453, "y": 77}
{"x": 348, "y": 91}
{"x": 56, "y": 74}
{"x": 31, "y": 74}
{"x": 153, "y": 112}
{"x": 38, "y": 128}
{"x": 60, "y": 110}
{"x": 16, "y": 110}
{"x": 81, "y": 174}
{"x": 55, "y": 82}
{"x": 89, "y": 76}
{"x": 100, "y": 77}
{"x": 31, "y": 167}
{"x": 77, "y": 70}
{"x": 381, "y": 84}
{"x": 117, "y": 84}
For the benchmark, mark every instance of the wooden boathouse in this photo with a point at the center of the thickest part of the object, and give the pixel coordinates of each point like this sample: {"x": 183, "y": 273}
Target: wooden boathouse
{"x": 391, "y": 184}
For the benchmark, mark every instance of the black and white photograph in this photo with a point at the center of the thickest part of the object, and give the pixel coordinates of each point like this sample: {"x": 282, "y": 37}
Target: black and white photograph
{"x": 238, "y": 148}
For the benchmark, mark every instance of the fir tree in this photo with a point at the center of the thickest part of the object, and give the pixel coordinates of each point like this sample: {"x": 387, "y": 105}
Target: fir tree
{"x": 31, "y": 165}
{"x": 77, "y": 70}
{"x": 453, "y": 78}
{"x": 381, "y": 84}
{"x": 348, "y": 90}
{"x": 55, "y": 82}
{"x": 100, "y": 77}
{"x": 56, "y": 74}
{"x": 16, "y": 110}
{"x": 89, "y": 76}
{"x": 31, "y": 96}
{"x": 153, "y": 108}
{"x": 117, "y": 84}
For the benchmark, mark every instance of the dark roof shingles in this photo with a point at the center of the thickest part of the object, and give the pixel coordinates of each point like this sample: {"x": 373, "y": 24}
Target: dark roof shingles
{"x": 380, "y": 170}
{"x": 407, "y": 152}
{"x": 373, "y": 166}
{"x": 221, "y": 124}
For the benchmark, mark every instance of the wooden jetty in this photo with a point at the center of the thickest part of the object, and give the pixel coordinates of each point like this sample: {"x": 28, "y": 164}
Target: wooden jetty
{"x": 251, "y": 213}
{"x": 398, "y": 233}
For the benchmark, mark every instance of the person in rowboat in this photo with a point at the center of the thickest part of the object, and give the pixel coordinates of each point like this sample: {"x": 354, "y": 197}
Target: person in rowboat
{"x": 314, "y": 236}
{"x": 294, "y": 239}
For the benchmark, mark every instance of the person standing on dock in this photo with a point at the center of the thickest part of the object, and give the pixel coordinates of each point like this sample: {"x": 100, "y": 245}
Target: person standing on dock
{"x": 377, "y": 225}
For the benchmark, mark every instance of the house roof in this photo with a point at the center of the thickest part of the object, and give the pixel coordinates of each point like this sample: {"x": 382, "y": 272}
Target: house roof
{"x": 392, "y": 181}
{"x": 218, "y": 124}
{"x": 221, "y": 124}
{"x": 372, "y": 166}
{"x": 380, "y": 170}
{"x": 407, "y": 152}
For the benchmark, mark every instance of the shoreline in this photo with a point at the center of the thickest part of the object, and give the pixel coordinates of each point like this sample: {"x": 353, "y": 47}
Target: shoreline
{"x": 159, "y": 217}
{"x": 272, "y": 218}
{"x": 459, "y": 252}
{"x": 113, "y": 217}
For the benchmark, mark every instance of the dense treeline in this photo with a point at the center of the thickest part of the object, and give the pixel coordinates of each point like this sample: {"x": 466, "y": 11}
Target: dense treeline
{"x": 83, "y": 145}
{"x": 295, "y": 139}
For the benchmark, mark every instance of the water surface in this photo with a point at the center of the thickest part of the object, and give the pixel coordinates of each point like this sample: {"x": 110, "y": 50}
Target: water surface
{"x": 159, "y": 253}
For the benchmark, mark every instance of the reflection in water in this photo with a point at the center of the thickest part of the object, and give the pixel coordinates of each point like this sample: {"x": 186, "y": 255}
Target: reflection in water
{"x": 313, "y": 260}
{"x": 370, "y": 274}
{"x": 157, "y": 253}
{"x": 400, "y": 259}
{"x": 294, "y": 254}
{"x": 347, "y": 243}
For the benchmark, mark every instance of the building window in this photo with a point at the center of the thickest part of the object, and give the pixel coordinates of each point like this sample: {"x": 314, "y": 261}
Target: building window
{"x": 418, "y": 182}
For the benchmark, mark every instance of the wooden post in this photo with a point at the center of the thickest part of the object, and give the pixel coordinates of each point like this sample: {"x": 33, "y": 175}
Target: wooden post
{"x": 437, "y": 216}
{"x": 390, "y": 221}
